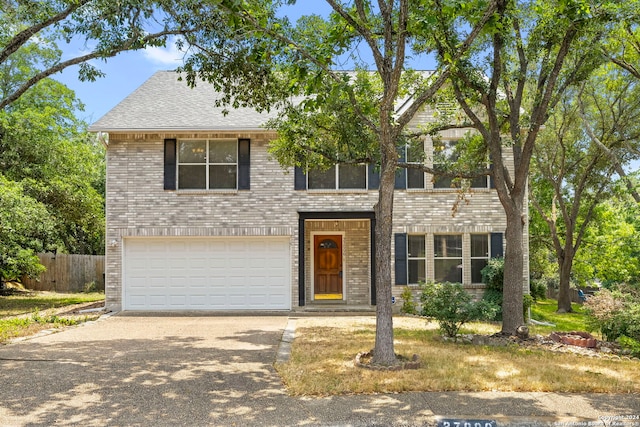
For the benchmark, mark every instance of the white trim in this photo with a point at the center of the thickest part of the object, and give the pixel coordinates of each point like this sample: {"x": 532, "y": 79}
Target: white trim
{"x": 207, "y": 163}
{"x": 312, "y": 254}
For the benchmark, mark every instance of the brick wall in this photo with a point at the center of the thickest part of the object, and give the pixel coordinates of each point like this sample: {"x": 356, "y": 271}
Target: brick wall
{"x": 138, "y": 205}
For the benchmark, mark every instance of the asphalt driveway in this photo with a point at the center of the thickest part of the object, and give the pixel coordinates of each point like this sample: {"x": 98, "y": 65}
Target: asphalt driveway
{"x": 145, "y": 370}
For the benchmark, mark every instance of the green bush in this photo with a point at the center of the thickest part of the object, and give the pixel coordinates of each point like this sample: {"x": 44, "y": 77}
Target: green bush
{"x": 493, "y": 274}
{"x": 409, "y": 305}
{"x": 493, "y": 278}
{"x": 630, "y": 344}
{"x": 539, "y": 289}
{"x": 615, "y": 313}
{"x": 452, "y": 306}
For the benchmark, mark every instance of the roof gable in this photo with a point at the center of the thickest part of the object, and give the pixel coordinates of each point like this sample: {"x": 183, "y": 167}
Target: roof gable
{"x": 163, "y": 103}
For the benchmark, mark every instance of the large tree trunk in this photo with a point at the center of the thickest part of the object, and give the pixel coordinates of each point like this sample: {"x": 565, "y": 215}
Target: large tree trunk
{"x": 565, "y": 262}
{"x": 512, "y": 312}
{"x": 383, "y": 353}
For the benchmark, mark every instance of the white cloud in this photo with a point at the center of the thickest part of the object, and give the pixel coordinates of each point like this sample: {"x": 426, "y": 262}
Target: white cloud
{"x": 165, "y": 56}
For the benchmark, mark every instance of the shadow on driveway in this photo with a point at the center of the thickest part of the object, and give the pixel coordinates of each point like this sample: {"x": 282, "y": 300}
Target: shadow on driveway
{"x": 144, "y": 371}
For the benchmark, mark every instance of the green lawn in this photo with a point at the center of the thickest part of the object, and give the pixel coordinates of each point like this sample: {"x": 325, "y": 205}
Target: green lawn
{"x": 545, "y": 311}
{"x": 28, "y": 302}
{"x": 25, "y": 313}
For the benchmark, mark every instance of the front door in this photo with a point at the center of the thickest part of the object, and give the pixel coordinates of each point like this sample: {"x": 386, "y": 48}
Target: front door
{"x": 327, "y": 267}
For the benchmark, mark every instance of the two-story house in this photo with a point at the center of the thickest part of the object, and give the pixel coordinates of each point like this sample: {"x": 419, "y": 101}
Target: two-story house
{"x": 199, "y": 217}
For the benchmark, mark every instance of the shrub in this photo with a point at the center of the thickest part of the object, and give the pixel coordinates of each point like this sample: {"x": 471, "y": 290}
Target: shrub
{"x": 539, "y": 289}
{"x": 615, "y": 313}
{"x": 452, "y": 306}
{"x": 527, "y": 302}
{"x": 493, "y": 278}
{"x": 493, "y": 274}
{"x": 409, "y": 305}
{"x": 630, "y": 344}
{"x": 90, "y": 287}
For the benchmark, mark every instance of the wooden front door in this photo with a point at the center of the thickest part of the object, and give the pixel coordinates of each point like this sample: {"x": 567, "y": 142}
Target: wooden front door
{"x": 327, "y": 267}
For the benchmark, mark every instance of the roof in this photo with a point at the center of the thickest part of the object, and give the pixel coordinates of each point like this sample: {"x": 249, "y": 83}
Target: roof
{"x": 163, "y": 103}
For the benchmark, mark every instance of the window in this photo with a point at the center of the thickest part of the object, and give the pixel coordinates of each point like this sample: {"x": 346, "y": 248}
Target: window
{"x": 343, "y": 177}
{"x": 447, "y": 261}
{"x": 416, "y": 259}
{"x": 444, "y": 154}
{"x": 415, "y": 177}
{"x": 479, "y": 256}
{"x": 208, "y": 164}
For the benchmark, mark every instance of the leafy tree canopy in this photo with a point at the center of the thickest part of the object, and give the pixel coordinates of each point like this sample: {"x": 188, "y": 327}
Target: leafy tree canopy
{"x": 31, "y": 32}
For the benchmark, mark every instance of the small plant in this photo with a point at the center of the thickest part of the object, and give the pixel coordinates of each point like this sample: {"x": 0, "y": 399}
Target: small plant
{"x": 36, "y": 317}
{"x": 90, "y": 287}
{"x": 630, "y": 344}
{"x": 527, "y": 302}
{"x": 452, "y": 306}
{"x": 409, "y": 305}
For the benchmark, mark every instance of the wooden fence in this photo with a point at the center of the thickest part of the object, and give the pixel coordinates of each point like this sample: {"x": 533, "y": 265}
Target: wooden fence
{"x": 68, "y": 273}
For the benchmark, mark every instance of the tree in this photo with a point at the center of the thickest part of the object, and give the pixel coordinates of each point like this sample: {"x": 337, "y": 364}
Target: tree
{"x": 611, "y": 251}
{"x": 25, "y": 229}
{"x": 52, "y": 171}
{"x": 262, "y": 60}
{"x": 30, "y": 31}
{"x": 572, "y": 172}
{"x": 509, "y": 87}
{"x": 623, "y": 50}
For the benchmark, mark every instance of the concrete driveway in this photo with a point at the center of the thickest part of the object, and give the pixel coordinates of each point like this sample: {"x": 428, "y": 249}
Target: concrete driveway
{"x": 145, "y": 370}
{"x": 162, "y": 370}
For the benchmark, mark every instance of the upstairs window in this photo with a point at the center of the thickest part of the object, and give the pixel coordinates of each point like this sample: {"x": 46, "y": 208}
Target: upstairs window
{"x": 444, "y": 154}
{"x": 208, "y": 164}
{"x": 415, "y": 177}
{"x": 339, "y": 177}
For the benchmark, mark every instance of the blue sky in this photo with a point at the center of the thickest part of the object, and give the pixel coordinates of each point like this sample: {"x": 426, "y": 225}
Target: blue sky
{"x": 128, "y": 70}
{"x": 124, "y": 73}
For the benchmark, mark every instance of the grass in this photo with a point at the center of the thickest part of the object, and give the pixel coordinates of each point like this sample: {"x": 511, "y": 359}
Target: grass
{"x": 28, "y": 302}
{"x": 26, "y": 313}
{"x": 323, "y": 352}
{"x": 545, "y": 311}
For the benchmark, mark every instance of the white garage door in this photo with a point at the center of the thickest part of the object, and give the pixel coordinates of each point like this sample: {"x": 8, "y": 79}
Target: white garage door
{"x": 206, "y": 274}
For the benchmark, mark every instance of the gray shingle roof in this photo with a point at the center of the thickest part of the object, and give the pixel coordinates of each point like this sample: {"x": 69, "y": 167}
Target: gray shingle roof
{"x": 163, "y": 103}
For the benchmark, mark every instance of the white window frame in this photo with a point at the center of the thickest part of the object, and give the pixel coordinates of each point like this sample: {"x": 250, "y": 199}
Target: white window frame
{"x": 460, "y": 258}
{"x": 472, "y": 258}
{"x": 416, "y": 258}
{"x": 337, "y": 187}
{"x": 206, "y": 163}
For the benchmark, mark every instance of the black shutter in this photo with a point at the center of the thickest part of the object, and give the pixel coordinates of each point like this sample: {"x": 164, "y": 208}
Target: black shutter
{"x": 170, "y": 164}
{"x": 374, "y": 177}
{"x": 496, "y": 245}
{"x": 299, "y": 179}
{"x": 401, "y": 258}
{"x": 244, "y": 165}
{"x": 401, "y": 173}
